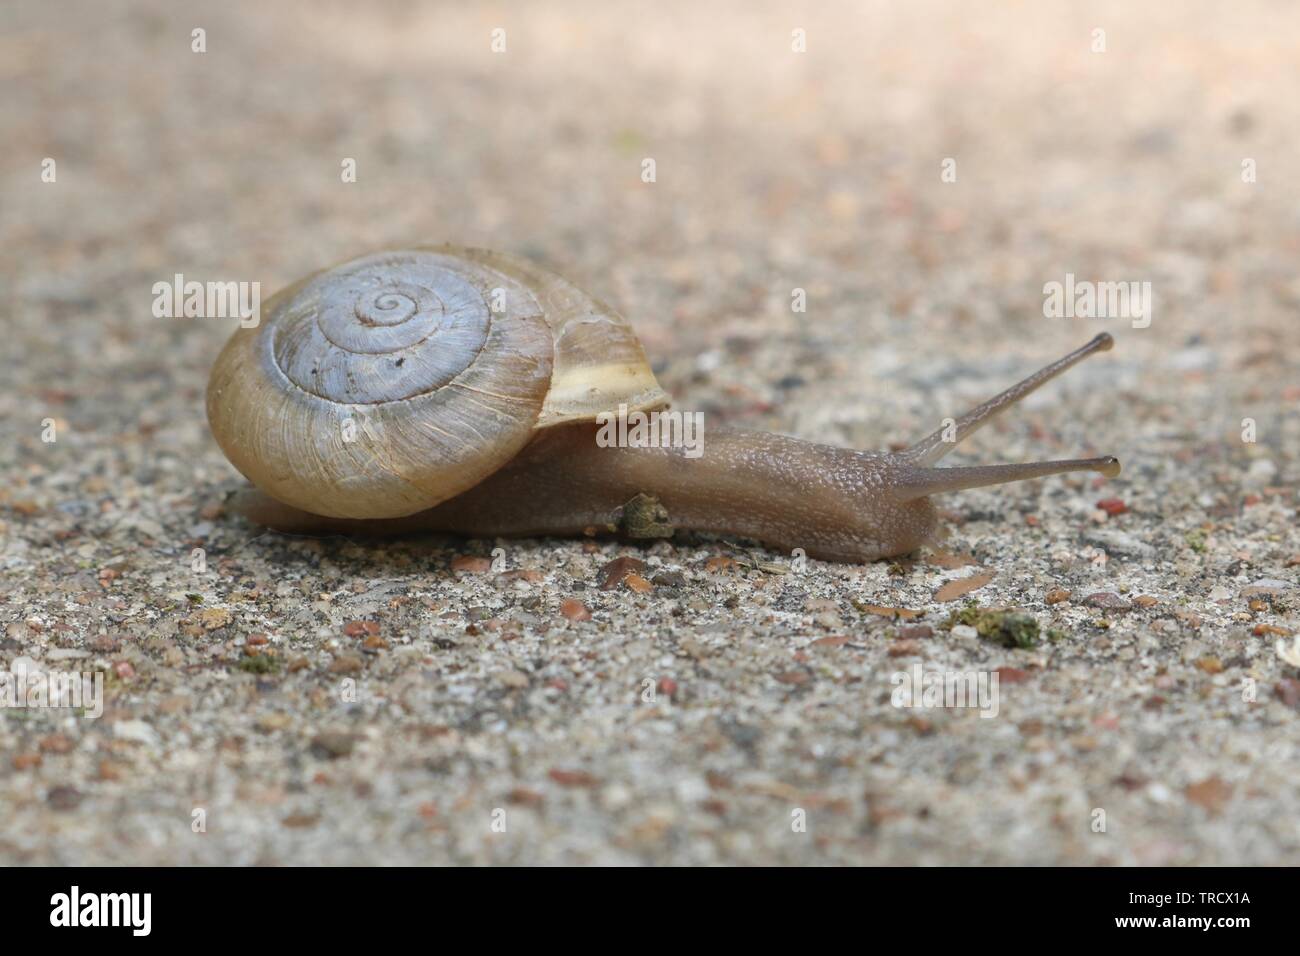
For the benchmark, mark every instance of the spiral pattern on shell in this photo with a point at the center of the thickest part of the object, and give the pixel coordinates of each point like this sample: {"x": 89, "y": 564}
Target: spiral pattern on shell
{"x": 385, "y": 385}
{"x": 382, "y": 331}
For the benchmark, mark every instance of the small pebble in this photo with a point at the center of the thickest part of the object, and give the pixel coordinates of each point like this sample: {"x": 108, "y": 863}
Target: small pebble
{"x": 1108, "y": 600}
{"x": 573, "y": 778}
{"x": 332, "y": 745}
{"x": 471, "y": 564}
{"x": 64, "y": 798}
{"x": 615, "y": 572}
{"x": 575, "y": 610}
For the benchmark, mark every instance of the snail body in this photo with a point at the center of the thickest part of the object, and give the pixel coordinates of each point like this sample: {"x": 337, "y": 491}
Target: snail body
{"x": 452, "y": 389}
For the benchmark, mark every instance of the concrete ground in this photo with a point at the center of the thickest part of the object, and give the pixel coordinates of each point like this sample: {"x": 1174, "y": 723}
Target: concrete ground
{"x": 304, "y": 700}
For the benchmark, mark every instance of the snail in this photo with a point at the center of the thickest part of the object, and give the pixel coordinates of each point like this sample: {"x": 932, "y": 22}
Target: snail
{"x": 458, "y": 390}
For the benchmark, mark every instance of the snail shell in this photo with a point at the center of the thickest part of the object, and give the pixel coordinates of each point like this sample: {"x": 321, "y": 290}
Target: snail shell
{"x": 393, "y": 382}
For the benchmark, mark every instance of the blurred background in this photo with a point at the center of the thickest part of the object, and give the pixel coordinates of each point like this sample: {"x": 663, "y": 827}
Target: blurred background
{"x": 1113, "y": 156}
{"x": 775, "y": 170}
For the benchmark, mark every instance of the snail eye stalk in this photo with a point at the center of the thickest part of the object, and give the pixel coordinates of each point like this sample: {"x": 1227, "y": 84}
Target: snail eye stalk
{"x": 934, "y": 446}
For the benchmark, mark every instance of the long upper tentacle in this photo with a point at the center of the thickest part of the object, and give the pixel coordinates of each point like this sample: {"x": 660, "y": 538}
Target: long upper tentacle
{"x": 937, "y": 444}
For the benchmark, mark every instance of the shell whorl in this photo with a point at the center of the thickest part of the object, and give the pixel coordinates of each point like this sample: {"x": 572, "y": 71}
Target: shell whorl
{"x": 385, "y": 385}
{"x": 386, "y": 329}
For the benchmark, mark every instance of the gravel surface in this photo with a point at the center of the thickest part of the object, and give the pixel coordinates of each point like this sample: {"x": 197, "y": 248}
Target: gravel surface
{"x": 322, "y": 700}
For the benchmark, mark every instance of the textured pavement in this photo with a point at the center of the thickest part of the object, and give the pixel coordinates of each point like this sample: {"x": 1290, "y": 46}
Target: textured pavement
{"x": 305, "y": 700}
